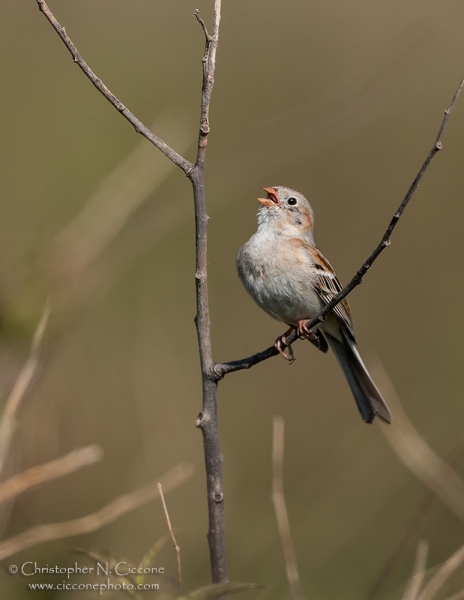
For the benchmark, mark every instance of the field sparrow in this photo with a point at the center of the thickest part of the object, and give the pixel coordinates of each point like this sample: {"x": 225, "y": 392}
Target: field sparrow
{"x": 290, "y": 279}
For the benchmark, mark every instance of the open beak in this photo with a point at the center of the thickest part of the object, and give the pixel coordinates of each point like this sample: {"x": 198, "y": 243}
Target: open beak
{"x": 271, "y": 199}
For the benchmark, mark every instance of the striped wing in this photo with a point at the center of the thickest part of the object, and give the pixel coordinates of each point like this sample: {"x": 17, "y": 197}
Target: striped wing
{"x": 327, "y": 286}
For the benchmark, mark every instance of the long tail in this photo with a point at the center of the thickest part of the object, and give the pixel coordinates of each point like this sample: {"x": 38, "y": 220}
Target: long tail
{"x": 368, "y": 398}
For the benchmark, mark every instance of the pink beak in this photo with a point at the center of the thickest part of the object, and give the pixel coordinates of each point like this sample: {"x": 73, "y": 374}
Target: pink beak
{"x": 271, "y": 199}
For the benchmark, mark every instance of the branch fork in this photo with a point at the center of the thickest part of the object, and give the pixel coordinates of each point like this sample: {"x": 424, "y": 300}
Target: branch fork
{"x": 208, "y": 38}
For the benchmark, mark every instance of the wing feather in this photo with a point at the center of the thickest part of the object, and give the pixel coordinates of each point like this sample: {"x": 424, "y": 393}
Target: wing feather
{"x": 327, "y": 286}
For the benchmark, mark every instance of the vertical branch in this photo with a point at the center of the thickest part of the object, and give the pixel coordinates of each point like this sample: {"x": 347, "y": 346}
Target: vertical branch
{"x": 209, "y": 66}
{"x": 208, "y": 419}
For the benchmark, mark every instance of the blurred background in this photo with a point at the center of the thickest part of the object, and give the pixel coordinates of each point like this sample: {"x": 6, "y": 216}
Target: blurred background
{"x": 339, "y": 100}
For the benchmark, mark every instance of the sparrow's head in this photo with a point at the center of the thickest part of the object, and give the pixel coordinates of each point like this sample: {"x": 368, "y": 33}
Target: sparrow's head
{"x": 287, "y": 211}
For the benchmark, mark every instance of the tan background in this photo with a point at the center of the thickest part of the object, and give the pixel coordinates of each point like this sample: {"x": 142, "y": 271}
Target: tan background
{"x": 340, "y": 100}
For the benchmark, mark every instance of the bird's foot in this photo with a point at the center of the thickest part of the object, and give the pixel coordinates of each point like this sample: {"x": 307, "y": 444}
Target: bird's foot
{"x": 305, "y": 333}
{"x": 281, "y": 343}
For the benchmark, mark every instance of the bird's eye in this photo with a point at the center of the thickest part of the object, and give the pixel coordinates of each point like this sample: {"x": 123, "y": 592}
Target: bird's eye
{"x": 291, "y": 201}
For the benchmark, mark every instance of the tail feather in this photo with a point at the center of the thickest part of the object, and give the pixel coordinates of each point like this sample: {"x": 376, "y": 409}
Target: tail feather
{"x": 368, "y": 398}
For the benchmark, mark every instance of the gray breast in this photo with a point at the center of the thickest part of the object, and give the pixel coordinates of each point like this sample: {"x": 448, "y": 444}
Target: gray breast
{"x": 279, "y": 285}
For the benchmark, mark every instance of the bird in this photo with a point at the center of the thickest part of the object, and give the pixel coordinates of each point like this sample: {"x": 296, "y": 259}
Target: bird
{"x": 289, "y": 278}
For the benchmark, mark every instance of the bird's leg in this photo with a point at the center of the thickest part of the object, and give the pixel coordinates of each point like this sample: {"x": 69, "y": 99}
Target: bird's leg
{"x": 281, "y": 343}
{"x": 306, "y": 333}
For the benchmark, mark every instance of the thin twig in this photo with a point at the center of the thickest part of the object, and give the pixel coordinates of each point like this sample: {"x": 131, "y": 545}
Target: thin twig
{"x": 173, "y": 537}
{"x": 443, "y": 573}
{"x": 203, "y": 25}
{"x": 209, "y": 67}
{"x": 21, "y": 386}
{"x": 82, "y": 457}
{"x": 418, "y": 573}
{"x": 98, "y": 519}
{"x": 176, "y": 158}
{"x": 245, "y": 363}
{"x": 280, "y": 508}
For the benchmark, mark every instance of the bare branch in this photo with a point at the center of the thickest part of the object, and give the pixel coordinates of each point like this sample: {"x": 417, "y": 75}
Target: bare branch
{"x": 246, "y": 363}
{"x": 208, "y": 419}
{"x": 209, "y": 67}
{"x": 98, "y": 519}
{"x": 418, "y": 574}
{"x": 176, "y": 158}
{"x": 203, "y": 25}
{"x": 280, "y": 508}
{"x": 173, "y": 537}
{"x": 82, "y": 457}
{"x": 21, "y": 386}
